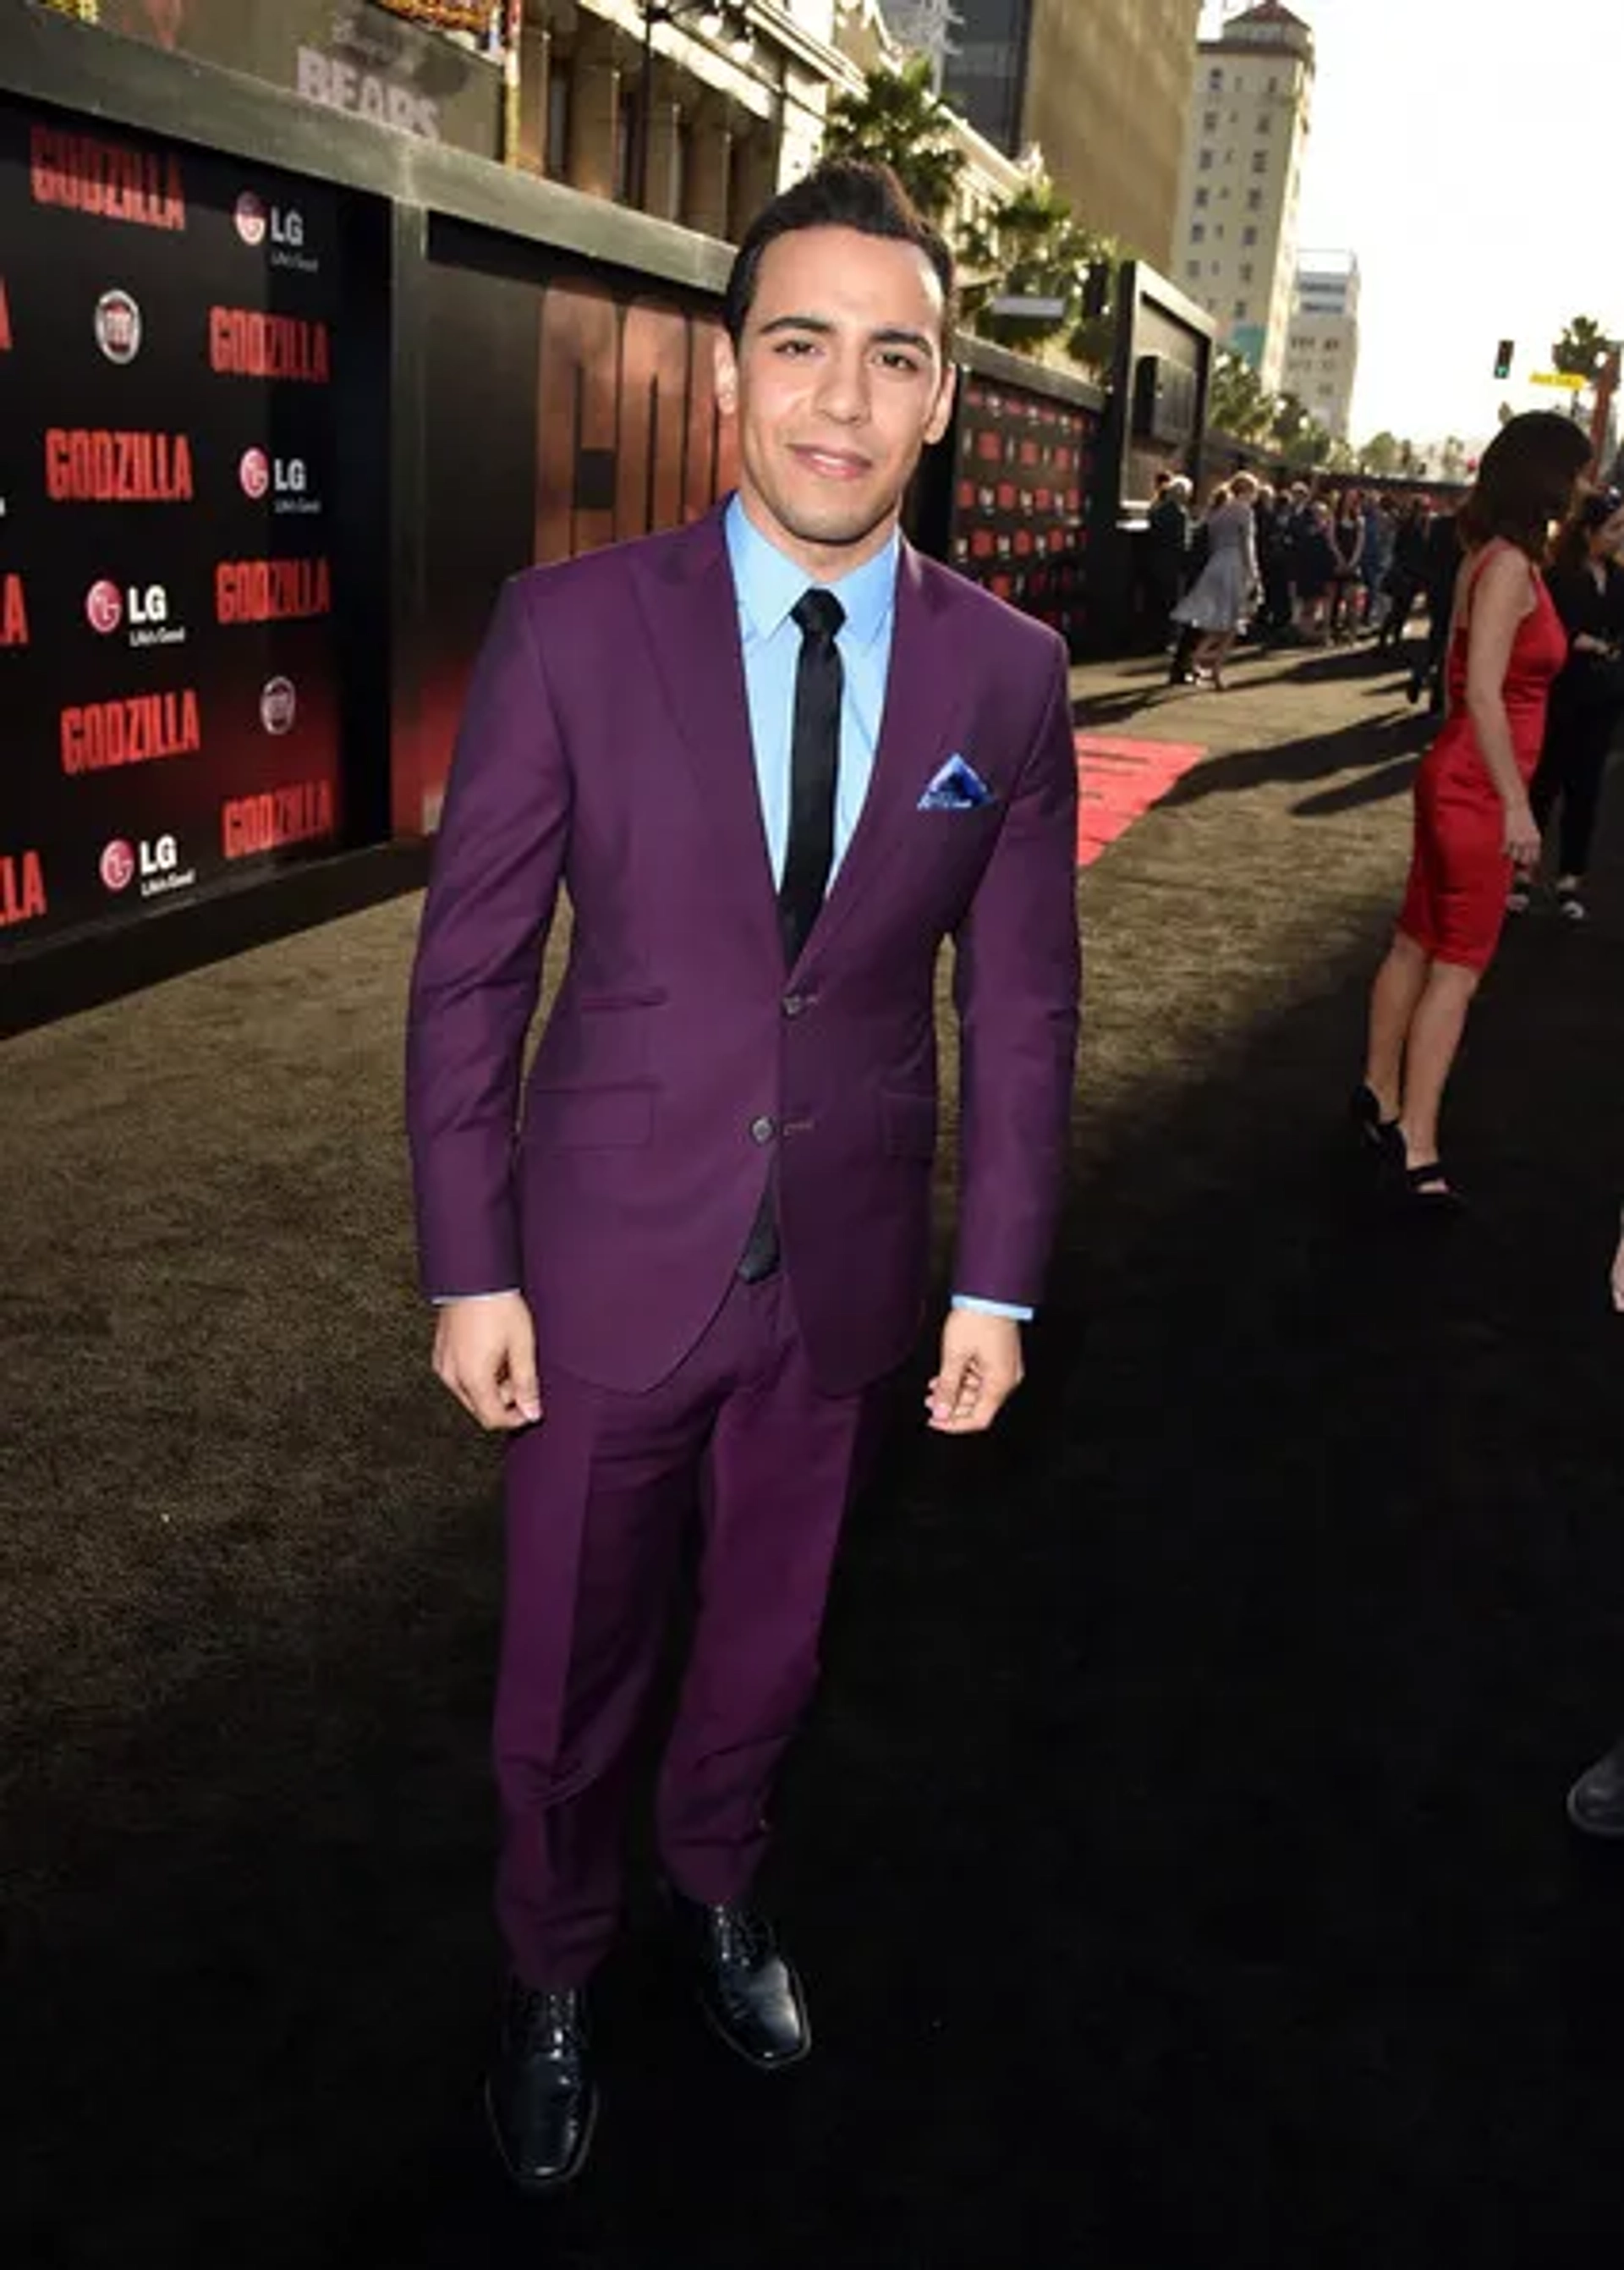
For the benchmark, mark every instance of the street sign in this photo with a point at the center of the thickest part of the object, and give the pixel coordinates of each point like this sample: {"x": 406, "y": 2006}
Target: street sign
{"x": 1563, "y": 378}
{"x": 1033, "y": 307}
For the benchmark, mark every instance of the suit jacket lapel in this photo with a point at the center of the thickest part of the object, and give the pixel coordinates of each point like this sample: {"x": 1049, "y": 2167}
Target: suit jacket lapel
{"x": 690, "y": 612}
{"x": 921, "y": 681}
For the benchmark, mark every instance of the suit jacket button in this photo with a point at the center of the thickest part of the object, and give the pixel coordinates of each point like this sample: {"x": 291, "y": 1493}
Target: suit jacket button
{"x": 762, "y": 1130}
{"x": 794, "y": 1004}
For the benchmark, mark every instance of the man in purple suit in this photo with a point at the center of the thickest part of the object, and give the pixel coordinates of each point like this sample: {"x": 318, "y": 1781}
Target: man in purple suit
{"x": 776, "y": 758}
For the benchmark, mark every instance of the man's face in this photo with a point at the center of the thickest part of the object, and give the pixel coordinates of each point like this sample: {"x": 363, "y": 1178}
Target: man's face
{"x": 838, "y": 383}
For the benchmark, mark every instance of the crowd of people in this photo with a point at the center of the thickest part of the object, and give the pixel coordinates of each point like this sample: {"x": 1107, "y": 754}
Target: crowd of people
{"x": 1323, "y": 565}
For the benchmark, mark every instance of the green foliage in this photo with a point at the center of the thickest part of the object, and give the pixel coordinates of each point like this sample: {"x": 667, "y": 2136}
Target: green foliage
{"x": 900, "y": 120}
{"x": 1033, "y": 246}
{"x": 1380, "y": 454}
{"x": 1236, "y": 400}
{"x": 1582, "y": 349}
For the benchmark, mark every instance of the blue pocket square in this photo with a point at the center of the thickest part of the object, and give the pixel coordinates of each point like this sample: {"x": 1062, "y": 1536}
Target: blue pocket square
{"x": 957, "y": 787}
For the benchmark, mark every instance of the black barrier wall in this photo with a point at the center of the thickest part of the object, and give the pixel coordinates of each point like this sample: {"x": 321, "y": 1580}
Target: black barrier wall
{"x": 172, "y": 324}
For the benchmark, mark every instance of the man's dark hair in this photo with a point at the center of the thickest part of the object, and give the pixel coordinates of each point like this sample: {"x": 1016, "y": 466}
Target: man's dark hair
{"x": 1525, "y": 481}
{"x": 841, "y": 193}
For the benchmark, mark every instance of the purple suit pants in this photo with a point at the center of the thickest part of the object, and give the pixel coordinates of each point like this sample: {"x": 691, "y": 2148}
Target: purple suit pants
{"x": 599, "y": 1497}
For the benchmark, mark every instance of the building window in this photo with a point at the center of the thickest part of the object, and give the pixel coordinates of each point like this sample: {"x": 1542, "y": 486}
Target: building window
{"x": 1202, "y": 195}
{"x": 1193, "y": 270}
{"x": 1240, "y": 311}
{"x": 1254, "y": 201}
{"x": 1198, "y": 231}
{"x": 560, "y": 104}
{"x": 1274, "y": 87}
{"x": 1246, "y": 272}
{"x": 1264, "y": 122}
{"x": 1209, "y": 122}
{"x": 1215, "y": 82}
{"x": 682, "y": 168}
{"x": 626, "y": 144}
{"x": 1248, "y": 234}
{"x": 1260, "y": 161}
{"x": 1205, "y": 161}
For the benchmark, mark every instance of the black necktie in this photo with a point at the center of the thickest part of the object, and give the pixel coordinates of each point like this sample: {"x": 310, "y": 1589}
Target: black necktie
{"x": 814, "y": 767}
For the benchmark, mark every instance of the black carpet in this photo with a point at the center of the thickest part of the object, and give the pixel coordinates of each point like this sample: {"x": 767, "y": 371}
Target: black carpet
{"x": 1176, "y": 1856}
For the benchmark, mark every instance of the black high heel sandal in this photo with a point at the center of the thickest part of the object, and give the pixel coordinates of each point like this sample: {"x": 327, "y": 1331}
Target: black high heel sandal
{"x": 1429, "y": 1190}
{"x": 1379, "y": 1135}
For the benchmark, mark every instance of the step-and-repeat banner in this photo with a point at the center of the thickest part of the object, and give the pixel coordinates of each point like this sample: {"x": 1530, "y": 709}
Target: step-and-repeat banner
{"x": 170, "y": 326}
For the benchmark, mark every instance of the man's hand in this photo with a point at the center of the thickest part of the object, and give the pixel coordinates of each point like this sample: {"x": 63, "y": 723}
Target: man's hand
{"x": 485, "y": 1352}
{"x": 980, "y": 1370}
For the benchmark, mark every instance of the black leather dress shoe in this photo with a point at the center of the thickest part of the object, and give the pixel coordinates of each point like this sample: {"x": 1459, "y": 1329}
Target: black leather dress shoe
{"x": 539, "y": 2093}
{"x": 746, "y": 1989}
{"x": 1595, "y": 1801}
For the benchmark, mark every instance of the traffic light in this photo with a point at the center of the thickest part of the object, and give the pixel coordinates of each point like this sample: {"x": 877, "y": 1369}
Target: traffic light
{"x": 1502, "y": 358}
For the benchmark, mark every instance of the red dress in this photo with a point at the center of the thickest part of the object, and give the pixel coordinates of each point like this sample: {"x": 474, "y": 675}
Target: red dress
{"x": 1459, "y": 874}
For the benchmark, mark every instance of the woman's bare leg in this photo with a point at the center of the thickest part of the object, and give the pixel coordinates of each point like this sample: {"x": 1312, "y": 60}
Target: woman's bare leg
{"x": 1399, "y": 985}
{"x": 1436, "y": 1029}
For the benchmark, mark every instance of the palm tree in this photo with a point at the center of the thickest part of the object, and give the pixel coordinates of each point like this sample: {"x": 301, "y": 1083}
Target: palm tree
{"x": 900, "y": 120}
{"x": 1033, "y": 246}
{"x": 1582, "y": 349}
{"x": 1235, "y": 401}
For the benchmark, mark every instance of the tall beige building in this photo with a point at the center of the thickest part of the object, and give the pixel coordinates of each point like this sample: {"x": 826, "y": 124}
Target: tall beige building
{"x": 1245, "y": 136}
{"x": 1321, "y": 345}
{"x": 1098, "y": 85}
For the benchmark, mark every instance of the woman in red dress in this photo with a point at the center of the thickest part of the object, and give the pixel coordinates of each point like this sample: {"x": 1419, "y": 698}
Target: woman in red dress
{"x": 1473, "y": 824}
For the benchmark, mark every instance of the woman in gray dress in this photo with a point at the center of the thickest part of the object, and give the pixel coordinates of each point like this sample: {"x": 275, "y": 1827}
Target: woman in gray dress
{"x": 1222, "y": 595}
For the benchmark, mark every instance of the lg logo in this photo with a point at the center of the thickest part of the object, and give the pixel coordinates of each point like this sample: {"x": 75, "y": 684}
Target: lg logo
{"x": 156, "y": 860}
{"x": 281, "y": 227}
{"x": 261, "y": 476}
{"x": 107, "y": 607}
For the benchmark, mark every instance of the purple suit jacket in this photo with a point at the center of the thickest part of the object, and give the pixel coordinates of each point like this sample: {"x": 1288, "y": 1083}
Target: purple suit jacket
{"x": 605, "y": 745}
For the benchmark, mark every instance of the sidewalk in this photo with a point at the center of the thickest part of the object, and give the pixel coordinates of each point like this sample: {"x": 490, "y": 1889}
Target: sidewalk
{"x": 1176, "y": 1857}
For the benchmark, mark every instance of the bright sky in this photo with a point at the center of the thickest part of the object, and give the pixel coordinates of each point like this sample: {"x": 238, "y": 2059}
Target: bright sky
{"x": 1468, "y": 154}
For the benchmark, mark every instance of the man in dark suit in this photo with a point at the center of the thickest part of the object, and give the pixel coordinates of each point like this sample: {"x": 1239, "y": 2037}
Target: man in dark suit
{"x": 777, "y": 759}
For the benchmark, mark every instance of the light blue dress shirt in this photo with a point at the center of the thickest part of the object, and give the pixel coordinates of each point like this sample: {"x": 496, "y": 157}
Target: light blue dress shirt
{"x": 768, "y": 583}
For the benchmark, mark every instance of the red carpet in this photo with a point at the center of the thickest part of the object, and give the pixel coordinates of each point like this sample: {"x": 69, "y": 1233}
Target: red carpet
{"x": 1119, "y": 780}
